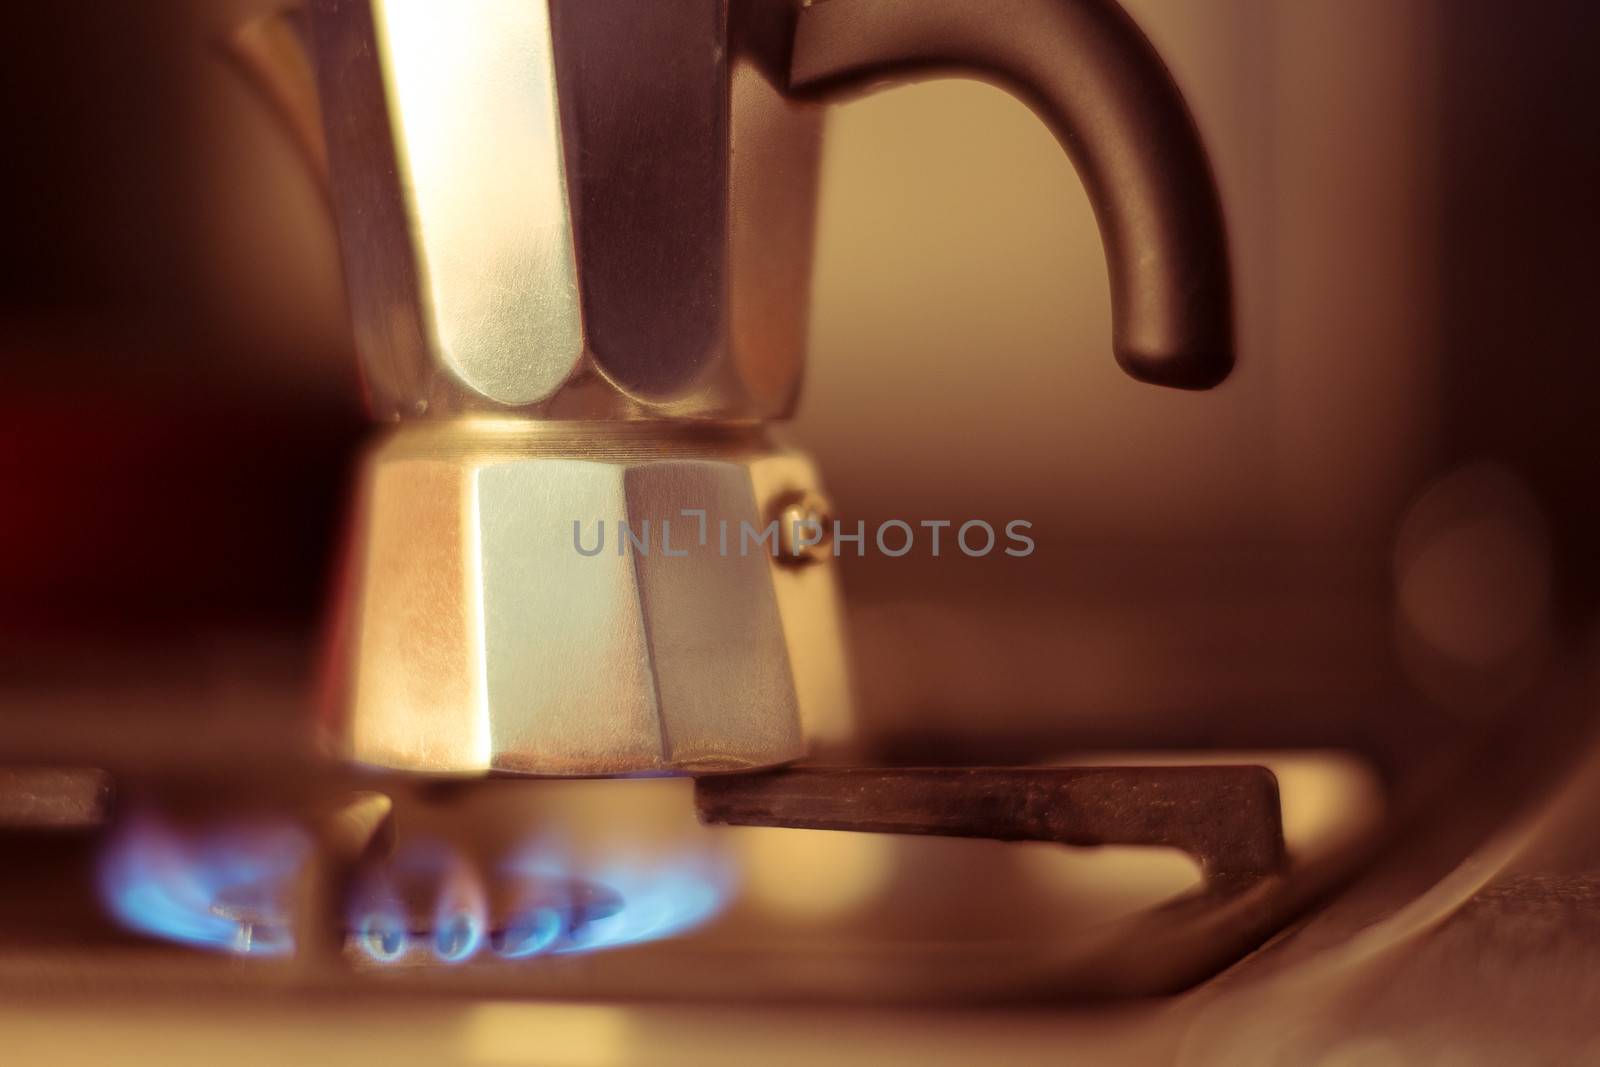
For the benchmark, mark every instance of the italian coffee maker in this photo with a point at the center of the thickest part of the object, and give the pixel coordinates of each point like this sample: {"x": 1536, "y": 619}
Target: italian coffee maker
{"x": 577, "y": 244}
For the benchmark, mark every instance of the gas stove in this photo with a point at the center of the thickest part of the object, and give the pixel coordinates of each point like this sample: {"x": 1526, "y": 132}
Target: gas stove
{"x": 1090, "y": 900}
{"x": 1022, "y": 697}
{"x": 1109, "y": 876}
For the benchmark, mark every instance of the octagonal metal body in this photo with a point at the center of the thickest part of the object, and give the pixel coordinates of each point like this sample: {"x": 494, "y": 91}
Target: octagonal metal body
{"x": 569, "y": 208}
{"x": 593, "y": 600}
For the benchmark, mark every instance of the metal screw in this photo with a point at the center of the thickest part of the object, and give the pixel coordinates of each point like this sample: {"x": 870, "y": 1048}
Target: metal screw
{"x": 807, "y": 515}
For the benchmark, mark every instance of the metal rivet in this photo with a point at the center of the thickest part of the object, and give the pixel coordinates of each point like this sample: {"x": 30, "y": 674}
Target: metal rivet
{"x": 800, "y": 513}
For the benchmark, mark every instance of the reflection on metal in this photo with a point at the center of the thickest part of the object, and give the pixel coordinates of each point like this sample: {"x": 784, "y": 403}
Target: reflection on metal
{"x": 575, "y": 210}
{"x": 477, "y": 143}
{"x": 483, "y": 640}
{"x": 602, "y": 211}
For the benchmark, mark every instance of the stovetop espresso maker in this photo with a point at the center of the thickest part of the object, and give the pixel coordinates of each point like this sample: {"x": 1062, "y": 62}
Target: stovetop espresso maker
{"x": 577, "y": 242}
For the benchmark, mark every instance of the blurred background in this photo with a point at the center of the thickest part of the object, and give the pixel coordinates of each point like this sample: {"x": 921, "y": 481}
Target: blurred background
{"x": 1369, "y": 536}
{"x": 1378, "y": 536}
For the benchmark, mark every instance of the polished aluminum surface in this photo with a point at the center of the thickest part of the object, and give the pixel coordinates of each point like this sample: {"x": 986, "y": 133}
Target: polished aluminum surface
{"x": 482, "y": 639}
{"x": 571, "y": 210}
{"x": 597, "y": 213}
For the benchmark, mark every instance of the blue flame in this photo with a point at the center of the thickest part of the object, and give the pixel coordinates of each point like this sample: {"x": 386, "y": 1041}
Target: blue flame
{"x": 529, "y": 933}
{"x": 456, "y": 937}
{"x": 227, "y": 889}
{"x": 221, "y": 890}
{"x": 658, "y": 899}
{"x": 459, "y": 917}
{"x": 382, "y": 935}
{"x": 568, "y": 906}
{"x": 386, "y": 929}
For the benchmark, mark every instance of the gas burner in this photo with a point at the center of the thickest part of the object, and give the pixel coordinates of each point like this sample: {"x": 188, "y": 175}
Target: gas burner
{"x": 428, "y": 905}
{"x": 222, "y": 888}
{"x": 238, "y": 888}
{"x": 501, "y": 884}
